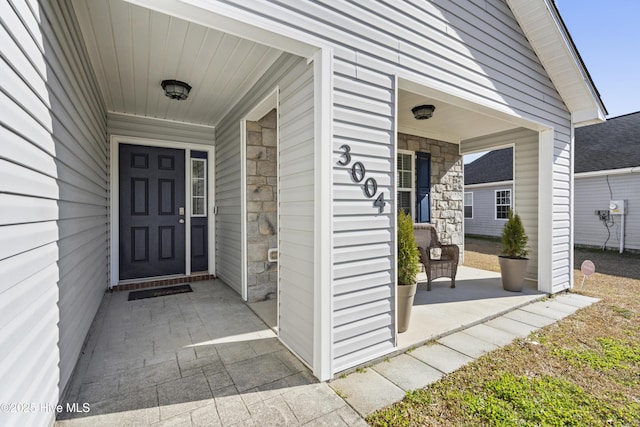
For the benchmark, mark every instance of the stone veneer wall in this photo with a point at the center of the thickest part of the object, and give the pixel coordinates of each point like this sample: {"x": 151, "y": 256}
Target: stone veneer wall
{"x": 447, "y": 185}
{"x": 262, "y": 193}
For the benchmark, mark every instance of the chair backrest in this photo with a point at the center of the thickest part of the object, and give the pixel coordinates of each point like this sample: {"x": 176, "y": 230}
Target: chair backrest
{"x": 426, "y": 235}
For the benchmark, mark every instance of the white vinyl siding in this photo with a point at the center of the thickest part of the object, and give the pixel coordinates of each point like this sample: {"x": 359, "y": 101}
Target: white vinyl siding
{"x": 164, "y": 130}
{"x": 594, "y": 193}
{"x": 296, "y": 211}
{"x": 296, "y": 198}
{"x": 364, "y": 241}
{"x": 227, "y": 188}
{"x": 53, "y": 193}
{"x": 455, "y": 46}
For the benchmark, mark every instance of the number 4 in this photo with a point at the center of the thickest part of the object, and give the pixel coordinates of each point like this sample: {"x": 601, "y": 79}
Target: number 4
{"x": 380, "y": 203}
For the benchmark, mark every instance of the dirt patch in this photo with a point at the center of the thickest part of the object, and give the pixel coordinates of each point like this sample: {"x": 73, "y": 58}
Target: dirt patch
{"x": 481, "y": 253}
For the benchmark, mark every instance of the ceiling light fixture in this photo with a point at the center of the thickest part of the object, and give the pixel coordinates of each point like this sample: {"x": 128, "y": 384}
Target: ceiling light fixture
{"x": 423, "y": 112}
{"x": 175, "y": 89}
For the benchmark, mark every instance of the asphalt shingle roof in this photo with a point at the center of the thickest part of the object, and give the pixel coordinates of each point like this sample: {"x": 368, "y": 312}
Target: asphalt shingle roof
{"x": 614, "y": 144}
{"x": 494, "y": 166}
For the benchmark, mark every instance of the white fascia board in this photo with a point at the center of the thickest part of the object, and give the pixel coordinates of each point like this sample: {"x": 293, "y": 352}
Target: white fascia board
{"x": 488, "y": 184}
{"x": 233, "y": 20}
{"x": 582, "y": 100}
{"x": 623, "y": 171}
{"x": 590, "y": 116}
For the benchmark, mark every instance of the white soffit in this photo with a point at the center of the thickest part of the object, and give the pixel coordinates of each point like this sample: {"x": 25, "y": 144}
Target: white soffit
{"x": 541, "y": 23}
{"x": 449, "y": 123}
{"x": 132, "y": 49}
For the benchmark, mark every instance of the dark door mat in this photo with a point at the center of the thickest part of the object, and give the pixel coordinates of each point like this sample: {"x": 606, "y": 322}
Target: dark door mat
{"x": 159, "y": 292}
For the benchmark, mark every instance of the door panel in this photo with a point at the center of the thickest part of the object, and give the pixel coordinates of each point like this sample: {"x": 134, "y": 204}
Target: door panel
{"x": 152, "y": 191}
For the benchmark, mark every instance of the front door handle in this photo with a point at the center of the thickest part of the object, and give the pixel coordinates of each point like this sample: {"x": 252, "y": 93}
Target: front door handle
{"x": 181, "y": 221}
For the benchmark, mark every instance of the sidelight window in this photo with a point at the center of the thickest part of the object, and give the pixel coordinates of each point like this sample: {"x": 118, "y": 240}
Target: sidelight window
{"x": 198, "y": 187}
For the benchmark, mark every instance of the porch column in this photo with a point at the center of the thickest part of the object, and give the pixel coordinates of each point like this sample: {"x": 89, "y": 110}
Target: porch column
{"x": 323, "y": 221}
{"x": 545, "y": 210}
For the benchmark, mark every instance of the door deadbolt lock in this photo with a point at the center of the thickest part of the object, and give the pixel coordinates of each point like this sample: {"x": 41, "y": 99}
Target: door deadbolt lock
{"x": 180, "y": 211}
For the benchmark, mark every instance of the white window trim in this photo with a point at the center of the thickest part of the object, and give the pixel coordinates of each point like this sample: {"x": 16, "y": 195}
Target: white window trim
{"x": 413, "y": 179}
{"x": 465, "y": 205}
{"x": 194, "y": 160}
{"x": 495, "y": 203}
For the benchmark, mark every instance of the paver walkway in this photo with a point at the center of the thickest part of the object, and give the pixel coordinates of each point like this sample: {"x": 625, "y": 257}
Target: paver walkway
{"x": 386, "y": 382}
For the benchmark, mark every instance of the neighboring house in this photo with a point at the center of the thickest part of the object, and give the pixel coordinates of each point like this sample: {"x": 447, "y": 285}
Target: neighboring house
{"x": 606, "y": 167}
{"x": 488, "y": 193}
{"x": 285, "y": 149}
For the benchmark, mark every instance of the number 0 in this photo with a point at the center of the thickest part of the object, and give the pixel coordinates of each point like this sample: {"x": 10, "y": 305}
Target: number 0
{"x": 358, "y": 171}
{"x": 370, "y": 187}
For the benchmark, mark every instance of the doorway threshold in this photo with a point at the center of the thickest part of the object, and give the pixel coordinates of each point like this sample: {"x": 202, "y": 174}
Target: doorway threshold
{"x": 153, "y": 282}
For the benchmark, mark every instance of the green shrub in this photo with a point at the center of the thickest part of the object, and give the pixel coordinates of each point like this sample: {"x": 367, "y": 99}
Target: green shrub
{"x": 408, "y": 254}
{"x": 514, "y": 237}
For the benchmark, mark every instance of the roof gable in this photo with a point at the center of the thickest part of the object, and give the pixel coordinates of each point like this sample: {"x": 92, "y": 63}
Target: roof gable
{"x": 542, "y": 24}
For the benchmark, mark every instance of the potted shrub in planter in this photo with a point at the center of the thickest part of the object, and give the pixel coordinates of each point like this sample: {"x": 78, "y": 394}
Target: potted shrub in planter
{"x": 408, "y": 267}
{"x": 513, "y": 261}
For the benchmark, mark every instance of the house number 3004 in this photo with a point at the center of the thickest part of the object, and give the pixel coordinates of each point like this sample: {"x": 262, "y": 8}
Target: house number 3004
{"x": 358, "y": 174}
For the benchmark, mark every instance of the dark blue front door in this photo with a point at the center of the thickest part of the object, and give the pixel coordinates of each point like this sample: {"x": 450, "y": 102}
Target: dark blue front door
{"x": 152, "y": 204}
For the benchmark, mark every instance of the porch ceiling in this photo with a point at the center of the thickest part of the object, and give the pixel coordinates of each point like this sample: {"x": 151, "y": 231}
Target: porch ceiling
{"x": 132, "y": 49}
{"x": 449, "y": 123}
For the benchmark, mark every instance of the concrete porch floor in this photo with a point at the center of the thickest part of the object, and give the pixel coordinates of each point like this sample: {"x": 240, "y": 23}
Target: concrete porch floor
{"x": 200, "y": 358}
{"x": 477, "y": 297}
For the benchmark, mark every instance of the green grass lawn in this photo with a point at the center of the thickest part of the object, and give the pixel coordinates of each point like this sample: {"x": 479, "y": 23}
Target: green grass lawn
{"x": 581, "y": 371}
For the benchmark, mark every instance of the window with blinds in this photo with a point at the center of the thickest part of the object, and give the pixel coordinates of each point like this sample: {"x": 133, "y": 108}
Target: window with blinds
{"x": 503, "y": 203}
{"x": 405, "y": 182}
{"x": 468, "y": 205}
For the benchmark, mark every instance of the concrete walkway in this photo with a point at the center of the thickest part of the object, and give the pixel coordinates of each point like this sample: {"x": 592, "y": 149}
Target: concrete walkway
{"x": 387, "y": 382}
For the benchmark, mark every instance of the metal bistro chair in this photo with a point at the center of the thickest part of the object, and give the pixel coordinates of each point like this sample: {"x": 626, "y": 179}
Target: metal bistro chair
{"x": 445, "y": 266}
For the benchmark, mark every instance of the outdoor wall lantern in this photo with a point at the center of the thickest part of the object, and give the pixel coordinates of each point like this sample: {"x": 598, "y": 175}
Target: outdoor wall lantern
{"x": 423, "y": 112}
{"x": 175, "y": 89}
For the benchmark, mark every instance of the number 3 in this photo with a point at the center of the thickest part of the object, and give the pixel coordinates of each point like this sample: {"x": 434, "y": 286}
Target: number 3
{"x": 346, "y": 155}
